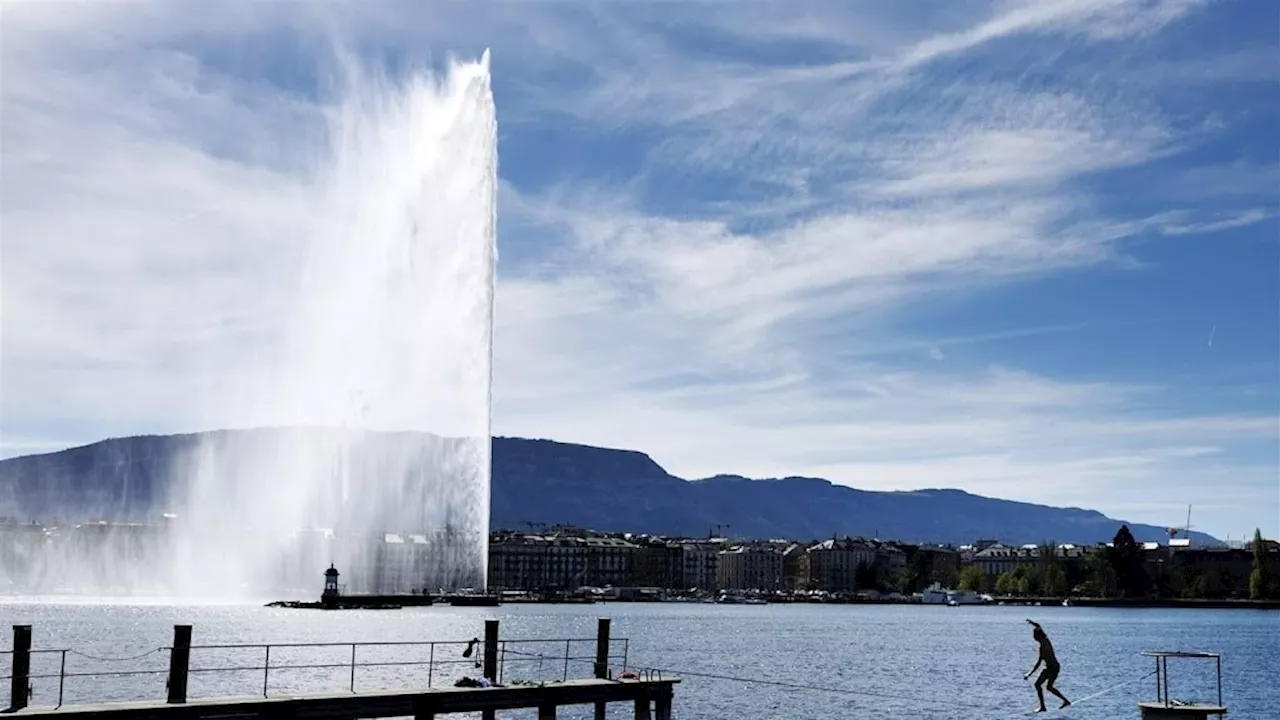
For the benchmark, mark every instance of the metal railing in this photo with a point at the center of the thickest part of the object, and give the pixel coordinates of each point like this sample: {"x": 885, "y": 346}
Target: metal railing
{"x": 492, "y": 655}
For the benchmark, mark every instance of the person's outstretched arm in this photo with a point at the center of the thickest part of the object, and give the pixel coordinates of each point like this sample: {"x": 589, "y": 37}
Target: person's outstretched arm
{"x": 1039, "y": 655}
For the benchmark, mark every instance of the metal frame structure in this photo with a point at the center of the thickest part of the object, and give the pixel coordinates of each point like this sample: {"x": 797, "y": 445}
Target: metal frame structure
{"x": 1162, "y": 671}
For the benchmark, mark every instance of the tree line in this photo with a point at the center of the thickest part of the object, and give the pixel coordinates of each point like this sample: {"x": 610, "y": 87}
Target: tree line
{"x": 1123, "y": 570}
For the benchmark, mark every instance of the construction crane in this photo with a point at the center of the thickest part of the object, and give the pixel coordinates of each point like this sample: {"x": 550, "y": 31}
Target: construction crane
{"x": 1185, "y": 529}
{"x": 715, "y": 530}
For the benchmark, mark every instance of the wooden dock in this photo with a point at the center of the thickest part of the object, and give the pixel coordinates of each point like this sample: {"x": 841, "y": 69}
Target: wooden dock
{"x": 652, "y": 700}
{"x": 650, "y": 694}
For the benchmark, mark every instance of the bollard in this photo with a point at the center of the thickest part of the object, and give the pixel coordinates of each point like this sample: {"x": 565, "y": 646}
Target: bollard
{"x": 602, "y": 661}
{"x": 179, "y": 662}
{"x": 490, "y": 659}
{"x": 19, "y": 681}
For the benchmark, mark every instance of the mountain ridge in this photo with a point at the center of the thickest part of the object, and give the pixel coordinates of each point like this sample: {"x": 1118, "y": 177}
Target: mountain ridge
{"x": 543, "y": 481}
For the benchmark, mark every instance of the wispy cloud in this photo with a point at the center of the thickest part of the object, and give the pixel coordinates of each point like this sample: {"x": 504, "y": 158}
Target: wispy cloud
{"x": 740, "y": 215}
{"x": 1176, "y": 224}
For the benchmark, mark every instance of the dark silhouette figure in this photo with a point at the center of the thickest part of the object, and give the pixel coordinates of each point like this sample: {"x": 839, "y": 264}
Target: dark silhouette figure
{"x": 1051, "y": 667}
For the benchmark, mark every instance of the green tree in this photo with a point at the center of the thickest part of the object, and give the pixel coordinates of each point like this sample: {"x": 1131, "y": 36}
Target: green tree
{"x": 1209, "y": 584}
{"x": 1048, "y": 555}
{"x": 1051, "y": 576}
{"x": 1028, "y": 580}
{"x": 973, "y": 578}
{"x": 1007, "y": 583}
{"x": 919, "y": 571}
{"x": 947, "y": 576}
{"x": 1262, "y": 583}
{"x": 1100, "y": 576}
{"x": 862, "y": 577}
{"x": 899, "y": 580}
{"x": 1128, "y": 564}
{"x": 1054, "y": 581}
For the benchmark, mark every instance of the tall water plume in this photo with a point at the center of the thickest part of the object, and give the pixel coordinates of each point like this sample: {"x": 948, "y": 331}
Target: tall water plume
{"x": 377, "y": 399}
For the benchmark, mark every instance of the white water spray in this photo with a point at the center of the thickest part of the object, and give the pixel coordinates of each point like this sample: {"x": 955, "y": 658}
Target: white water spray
{"x": 378, "y": 398}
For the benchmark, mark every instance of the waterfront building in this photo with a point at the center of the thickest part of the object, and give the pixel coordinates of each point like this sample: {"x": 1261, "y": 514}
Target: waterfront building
{"x": 795, "y": 568}
{"x": 998, "y": 559}
{"x": 698, "y": 562}
{"x": 833, "y": 564}
{"x": 519, "y": 561}
{"x": 754, "y": 566}
{"x": 656, "y": 562}
{"x": 610, "y": 560}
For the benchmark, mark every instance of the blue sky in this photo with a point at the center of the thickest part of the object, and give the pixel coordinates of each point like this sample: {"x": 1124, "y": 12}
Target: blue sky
{"x": 1028, "y": 249}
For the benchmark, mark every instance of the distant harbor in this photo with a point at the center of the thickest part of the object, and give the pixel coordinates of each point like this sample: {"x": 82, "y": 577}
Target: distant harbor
{"x": 332, "y": 597}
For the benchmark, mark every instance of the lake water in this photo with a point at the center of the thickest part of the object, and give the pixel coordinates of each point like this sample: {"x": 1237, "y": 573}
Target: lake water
{"x": 860, "y": 661}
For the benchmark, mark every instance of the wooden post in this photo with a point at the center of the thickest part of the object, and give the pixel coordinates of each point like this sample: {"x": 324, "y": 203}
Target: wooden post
{"x": 642, "y": 708}
{"x": 491, "y": 650}
{"x": 179, "y": 662}
{"x": 602, "y": 662}
{"x": 490, "y": 659}
{"x": 546, "y": 712}
{"x": 21, "y": 668}
{"x": 602, "y": 649}
{"x": 662, "y": 704}
{"x": 422, "y": 711}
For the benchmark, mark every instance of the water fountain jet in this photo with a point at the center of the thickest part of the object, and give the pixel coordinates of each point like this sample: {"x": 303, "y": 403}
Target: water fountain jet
{"x": 373, "y": 450}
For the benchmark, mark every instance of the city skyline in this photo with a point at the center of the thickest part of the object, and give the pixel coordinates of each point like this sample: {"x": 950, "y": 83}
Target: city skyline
{"x": 1026, "y": 249}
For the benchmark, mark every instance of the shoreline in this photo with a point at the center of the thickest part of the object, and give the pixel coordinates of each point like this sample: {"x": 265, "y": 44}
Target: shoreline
{"x": 384, "y": 601}
{"x": 1148, "y": 603}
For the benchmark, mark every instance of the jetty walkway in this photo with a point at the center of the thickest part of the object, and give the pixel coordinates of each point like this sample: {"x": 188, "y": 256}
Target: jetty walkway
{"x": 443, "y": 691}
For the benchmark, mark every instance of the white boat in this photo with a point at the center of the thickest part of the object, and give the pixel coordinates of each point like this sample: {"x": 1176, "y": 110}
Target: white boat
{"x": 935, "y": 594}
{"x": 964, "y": 597}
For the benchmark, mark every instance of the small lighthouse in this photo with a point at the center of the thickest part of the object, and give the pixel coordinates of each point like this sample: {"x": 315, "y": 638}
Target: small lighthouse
{"x": 329, "y": 598}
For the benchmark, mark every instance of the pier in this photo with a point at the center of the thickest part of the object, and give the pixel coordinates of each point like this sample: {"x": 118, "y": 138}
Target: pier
{"x": 441, "y": 693}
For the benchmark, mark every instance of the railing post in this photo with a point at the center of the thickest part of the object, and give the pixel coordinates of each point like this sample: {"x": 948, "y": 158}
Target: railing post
{"x": 490, "y": 659}
{"x": 602, "y": 662}
{"x": 19, "y": 683}
{"x": 491, "y": 650}
{"x": 352, "y": 686}
{"x": 62, "y": 676}
{"x": 602, "y": 649}
{"x": 179, "y": 662}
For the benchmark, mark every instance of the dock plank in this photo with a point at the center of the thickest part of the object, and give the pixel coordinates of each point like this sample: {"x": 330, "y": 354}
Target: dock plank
{"x": 343, "y": 706}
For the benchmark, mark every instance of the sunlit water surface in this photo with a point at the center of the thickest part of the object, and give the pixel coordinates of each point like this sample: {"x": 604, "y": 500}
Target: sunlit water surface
{"x": 874, "y": 661}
